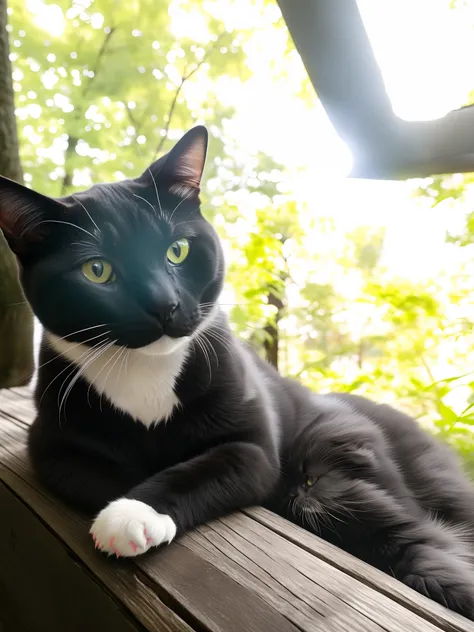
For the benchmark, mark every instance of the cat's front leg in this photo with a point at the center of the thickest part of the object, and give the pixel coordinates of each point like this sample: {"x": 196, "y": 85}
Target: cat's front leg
{"x": 83, "y": 481}
{"x": 82, "y": 478}
{"x": 228, "y": 477}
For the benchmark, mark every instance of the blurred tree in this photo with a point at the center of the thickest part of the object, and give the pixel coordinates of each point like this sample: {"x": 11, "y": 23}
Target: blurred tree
{"x": 106, "y": 88}
{"x": 16, "y": 323}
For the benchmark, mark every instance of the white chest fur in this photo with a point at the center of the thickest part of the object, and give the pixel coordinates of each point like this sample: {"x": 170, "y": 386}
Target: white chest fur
{"x": 138, "y": 382}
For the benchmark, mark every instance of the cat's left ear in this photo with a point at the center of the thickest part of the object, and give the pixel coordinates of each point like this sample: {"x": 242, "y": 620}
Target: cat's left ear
{"x": 24, "y": 215}
{"x": 184, "y": 164}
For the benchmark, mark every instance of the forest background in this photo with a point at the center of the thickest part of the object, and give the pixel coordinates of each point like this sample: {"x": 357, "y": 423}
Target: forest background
{"x": 346, "y": 285}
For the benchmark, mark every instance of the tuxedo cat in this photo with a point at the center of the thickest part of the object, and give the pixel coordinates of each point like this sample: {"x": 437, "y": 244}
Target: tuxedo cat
{"x": 366, "y": 478}
{"x": 153, "y": 416}
{"x": 150, "y": 412}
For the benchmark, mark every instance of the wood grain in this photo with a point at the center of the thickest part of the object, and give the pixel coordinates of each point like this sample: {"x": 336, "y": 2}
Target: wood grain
{"x": 410, "y": 599}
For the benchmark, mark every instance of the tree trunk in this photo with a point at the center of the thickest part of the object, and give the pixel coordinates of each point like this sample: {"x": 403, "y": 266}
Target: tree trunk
{"x": 16, "y": 320}
{"x": 271, "y": 344}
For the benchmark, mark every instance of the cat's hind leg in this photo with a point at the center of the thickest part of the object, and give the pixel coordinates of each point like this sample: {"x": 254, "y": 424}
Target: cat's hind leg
{"x": 437, "y": 565}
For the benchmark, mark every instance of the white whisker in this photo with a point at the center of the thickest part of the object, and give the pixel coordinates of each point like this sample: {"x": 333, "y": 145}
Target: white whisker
{"x": 91, "y": 383}
{"x": 77, "y": 344}
{"x": 223, "y": 341}
{"x": 156, "y": 191}
{"x": 79, "y": 373}
{"x": 88, "y": 214}
{"x": 149, "y": 203}
{"x": 197, "y": 339}
{"x": 204, "y": 338}
{"x": 69, "y": 365}
{"x": 57, "y": 221}
{"x": 118, "y": 353}
{"x": 86, "y": 355}
{"x": 179, "y": 204}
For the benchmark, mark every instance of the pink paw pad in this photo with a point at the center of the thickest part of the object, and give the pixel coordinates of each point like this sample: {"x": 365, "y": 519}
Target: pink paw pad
{"x": 133, "y": 546}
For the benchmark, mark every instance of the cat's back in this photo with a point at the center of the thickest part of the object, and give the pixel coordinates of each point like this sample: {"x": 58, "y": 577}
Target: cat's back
{"x": 431, "y": 470}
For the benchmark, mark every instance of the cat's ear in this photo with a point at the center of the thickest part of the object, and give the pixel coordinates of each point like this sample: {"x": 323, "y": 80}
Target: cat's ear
{"x": 24, "y": 215}
{"x": 184, "y": 164}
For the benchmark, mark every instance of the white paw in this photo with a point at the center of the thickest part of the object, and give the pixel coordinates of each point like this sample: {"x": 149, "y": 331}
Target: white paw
{"x": 129, "y": 527}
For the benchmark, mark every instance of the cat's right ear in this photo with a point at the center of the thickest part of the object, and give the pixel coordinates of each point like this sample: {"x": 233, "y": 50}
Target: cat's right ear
{"x": 24, "y": 215}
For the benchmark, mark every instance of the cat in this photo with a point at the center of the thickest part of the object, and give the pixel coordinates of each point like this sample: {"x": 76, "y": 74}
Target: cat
{"x": 366, "y": 478}
{"x": 151, "y": 415}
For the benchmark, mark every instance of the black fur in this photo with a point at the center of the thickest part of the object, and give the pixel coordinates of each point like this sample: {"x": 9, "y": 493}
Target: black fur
{"x": 366, "y": 478}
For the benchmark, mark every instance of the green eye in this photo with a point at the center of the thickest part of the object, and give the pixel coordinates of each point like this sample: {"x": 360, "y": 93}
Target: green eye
{"x": 178, "y": 251}
{"x": 98, "y": 271}
{"x": 310, "y": 481}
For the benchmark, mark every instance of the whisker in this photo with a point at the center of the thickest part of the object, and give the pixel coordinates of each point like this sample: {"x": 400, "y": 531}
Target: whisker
{"x": 156, "y": 191}
{"x": 81, "y": 371}
{"x": 87, "y": 354}
{"x": 76, "y": 364}
{"x": 88, "y": 214}
{"x": 190, "y": 194}
{"x": 73, "y": 347}
{"x": 58, "y": 221}
{"x": 154, "y": 182}
{"x": 80, "y": 331}
{"x": 197, "y": 339}
{"x": 226, "y": 343}
{"x": 69, "y": 366}
{"x": 149, "y": 203}
{"x": 122, "y": 359}
{"x": 118, "y": 354}
{"x": 95, "y": 378}
{"x": 211, "y": 348}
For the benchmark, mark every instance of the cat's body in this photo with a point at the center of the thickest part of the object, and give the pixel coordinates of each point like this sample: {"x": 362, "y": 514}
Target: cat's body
{"x": 366, "y": 478}
{"x": 220, "y": 401}
{"x": 149, "y": 410}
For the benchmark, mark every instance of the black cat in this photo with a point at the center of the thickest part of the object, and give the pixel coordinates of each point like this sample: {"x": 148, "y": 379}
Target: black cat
{"x": 366, "y": 478}
{"x": 149, "y": 410}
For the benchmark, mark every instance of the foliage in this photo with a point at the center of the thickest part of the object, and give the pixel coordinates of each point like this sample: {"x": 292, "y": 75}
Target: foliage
{"x": 103, "y": 88}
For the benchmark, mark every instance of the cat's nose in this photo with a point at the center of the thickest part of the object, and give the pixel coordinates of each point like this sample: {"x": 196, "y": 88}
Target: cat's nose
{"x": 164, "y": 312}
{"x": 160, "y": 300}
{"x": 169, "y": 312}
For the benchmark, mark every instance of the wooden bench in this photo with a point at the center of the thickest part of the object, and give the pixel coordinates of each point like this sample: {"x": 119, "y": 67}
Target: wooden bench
{"x": 245, "y": 573}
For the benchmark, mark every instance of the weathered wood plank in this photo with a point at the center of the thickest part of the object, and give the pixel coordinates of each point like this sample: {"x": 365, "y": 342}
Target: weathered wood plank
{"x": 410, "y": 599}
{"x": 251, "y": 571}
{"x": 41, "y": 587}
{"x": 186, "y": 582}
{"x": 126, "y": 584}
{"x": 313, "y": 586}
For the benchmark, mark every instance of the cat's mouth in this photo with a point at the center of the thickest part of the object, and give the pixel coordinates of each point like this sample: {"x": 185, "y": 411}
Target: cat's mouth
{"x": 164, "y": 346}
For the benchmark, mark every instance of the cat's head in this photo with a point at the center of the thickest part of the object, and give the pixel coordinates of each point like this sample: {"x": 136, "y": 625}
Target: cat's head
{"x": 133, "y": 262}
{"x": 329, "y": 459}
